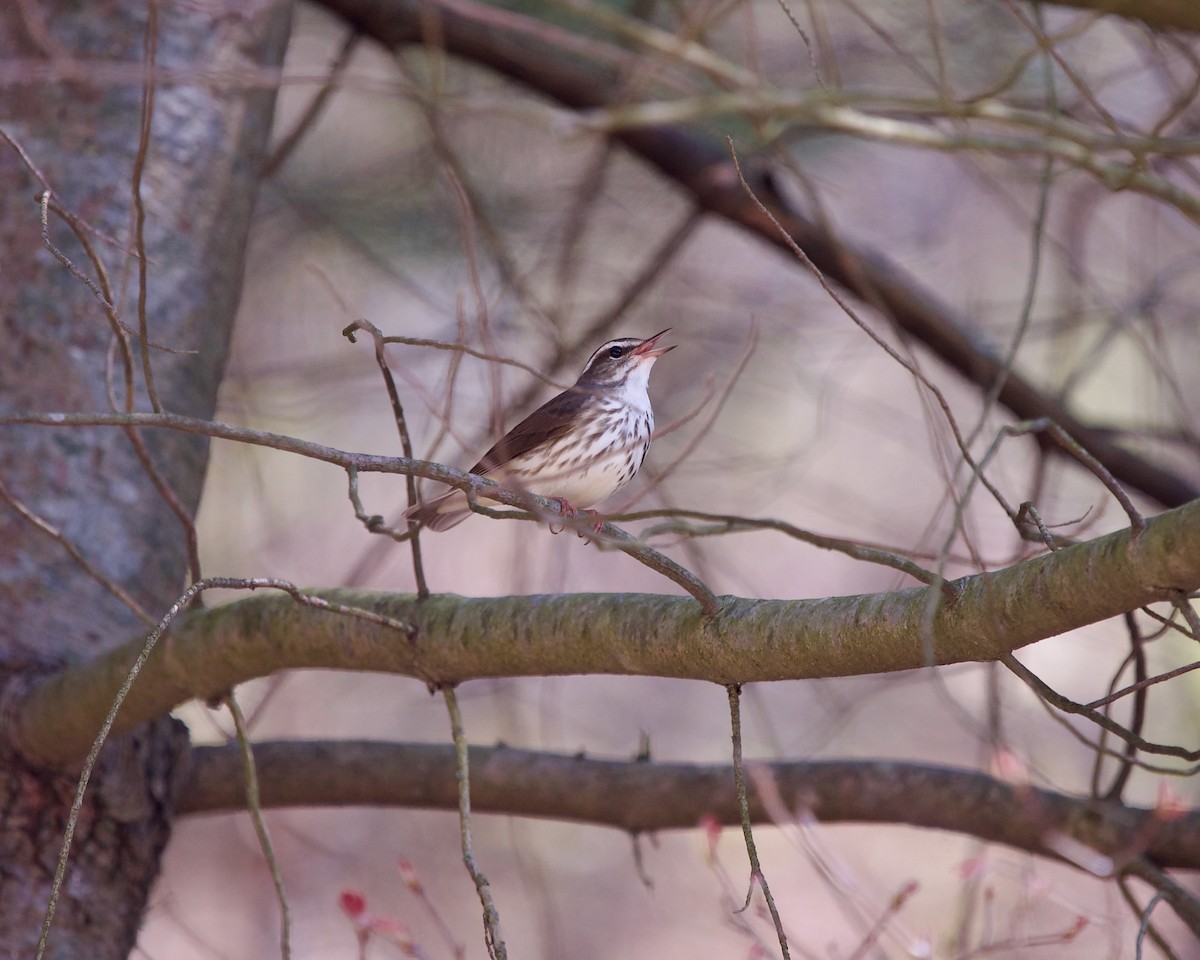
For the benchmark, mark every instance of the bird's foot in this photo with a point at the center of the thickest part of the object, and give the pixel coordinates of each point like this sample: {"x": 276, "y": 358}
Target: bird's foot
{"x": 571, "y": 512}
{"x": 566, "y": 509}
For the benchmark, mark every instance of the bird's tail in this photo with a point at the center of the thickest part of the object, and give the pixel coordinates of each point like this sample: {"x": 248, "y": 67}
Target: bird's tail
{"x": 441, "y": 513}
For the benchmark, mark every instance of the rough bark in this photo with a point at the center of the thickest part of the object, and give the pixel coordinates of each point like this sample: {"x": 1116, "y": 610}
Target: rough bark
{"x": 198, "y": 188}
{"x": 76, "y": 112}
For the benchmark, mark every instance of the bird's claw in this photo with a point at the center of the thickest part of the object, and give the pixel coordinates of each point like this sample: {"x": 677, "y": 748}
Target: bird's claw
{"x": 566, "y": 510}
{"x": 571, "y": 512}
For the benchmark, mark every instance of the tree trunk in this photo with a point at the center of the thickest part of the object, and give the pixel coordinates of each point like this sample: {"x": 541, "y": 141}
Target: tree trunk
{"x": 73, "y": 91}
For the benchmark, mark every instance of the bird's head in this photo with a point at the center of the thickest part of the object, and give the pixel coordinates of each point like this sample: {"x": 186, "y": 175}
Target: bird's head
{"x": 618, "y": 360}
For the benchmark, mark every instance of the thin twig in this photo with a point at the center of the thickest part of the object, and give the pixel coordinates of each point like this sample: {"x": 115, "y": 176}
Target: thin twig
{"x": 850, "y": 312}
{"x": 1053, "y": 697}
{"x": 879, "y": 927}
{"x": 1182, "y": 900}
{"x": 120, "y": 330}
{"x": 1144, "y": 922}
{"x": 411, "y": 880}
{"x": 102, "y": 291}
{"x": 1060, "y": 436}
{"x": 1043, "y": 137}
{"x": 316, "y": 105}
{"x": 602, "y": 533}
{"x": 405, "y": 441}
{"x": 1006, "y": 365}
{"x": 721, "y": 524}
{"x": 1183, "y": 603}
{"x": 374, "y": 522}
{"x": 1137, "y": 722}
{"x": 459, "y": 347}
{"x": 723, "y": 395}
{"x": 1148, "y": 682}
{"x": 254, "y": 806}
{"x": 589, "y": 188}
{"x": 150, "y": 51}
{"x": 610, "y": 533}
{"x": 602, "y": 324}
{"x": 739, "y": 779}
{"x": 25, "y": 157}
{"x": 62, "y": 540}
{"x": 491, "y": 917}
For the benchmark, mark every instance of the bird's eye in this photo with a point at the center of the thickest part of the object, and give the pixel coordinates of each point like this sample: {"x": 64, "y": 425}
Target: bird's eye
{"x": 616, "y": 352}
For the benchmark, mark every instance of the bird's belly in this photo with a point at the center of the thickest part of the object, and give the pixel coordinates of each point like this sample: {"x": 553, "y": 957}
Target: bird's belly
{"x": 585, "y": 467}
{"x": 582, "y": 483}
{"x": 585, "y": 486}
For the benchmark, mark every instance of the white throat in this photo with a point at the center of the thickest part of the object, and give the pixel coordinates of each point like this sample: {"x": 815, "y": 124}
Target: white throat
{"x": 634, "y": 391}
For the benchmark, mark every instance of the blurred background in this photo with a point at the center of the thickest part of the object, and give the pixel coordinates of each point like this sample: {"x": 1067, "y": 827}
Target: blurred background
{"x": 439, "y": 201}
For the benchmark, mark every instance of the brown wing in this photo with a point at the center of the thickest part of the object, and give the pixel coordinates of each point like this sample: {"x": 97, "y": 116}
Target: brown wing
{"x": 548, "y": 422}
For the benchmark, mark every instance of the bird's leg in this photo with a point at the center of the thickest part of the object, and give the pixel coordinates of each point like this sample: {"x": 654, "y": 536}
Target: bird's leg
{"x": 565, "y": 508}
{"x": 570, "y": 511}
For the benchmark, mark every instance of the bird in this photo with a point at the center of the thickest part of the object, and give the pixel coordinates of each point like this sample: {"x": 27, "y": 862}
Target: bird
{"x": 580, "y": 447}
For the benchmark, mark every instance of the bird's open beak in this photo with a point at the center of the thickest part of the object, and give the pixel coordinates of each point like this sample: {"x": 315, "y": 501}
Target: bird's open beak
{"x": 647, "y": 349}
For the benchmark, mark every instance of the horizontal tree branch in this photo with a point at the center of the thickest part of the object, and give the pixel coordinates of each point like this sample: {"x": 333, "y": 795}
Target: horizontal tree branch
{"x": 586, "y": 74}
{"x": 1161, "y": 14}
{"x": 1039, "y": 138}
{"x": 449, "y": 639}
{"x": 894, "y": 118}
{"x": 639, "y": 796}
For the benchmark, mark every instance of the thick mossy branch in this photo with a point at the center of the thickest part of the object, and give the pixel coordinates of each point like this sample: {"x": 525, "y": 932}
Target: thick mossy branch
{"x": 451, "y": 639}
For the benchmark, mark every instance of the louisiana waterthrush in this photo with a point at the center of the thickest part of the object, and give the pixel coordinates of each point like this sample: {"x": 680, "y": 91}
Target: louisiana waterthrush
{"x": 579, "y": 448}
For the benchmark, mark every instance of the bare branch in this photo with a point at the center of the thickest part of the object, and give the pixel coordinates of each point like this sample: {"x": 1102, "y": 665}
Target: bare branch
{"x": 491, "y": 917}
{"x": 254, "y": 806}
{"x": 405, "y": 441}
{"x": 739, "y": 784}
{"x": 645, "y": 796}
